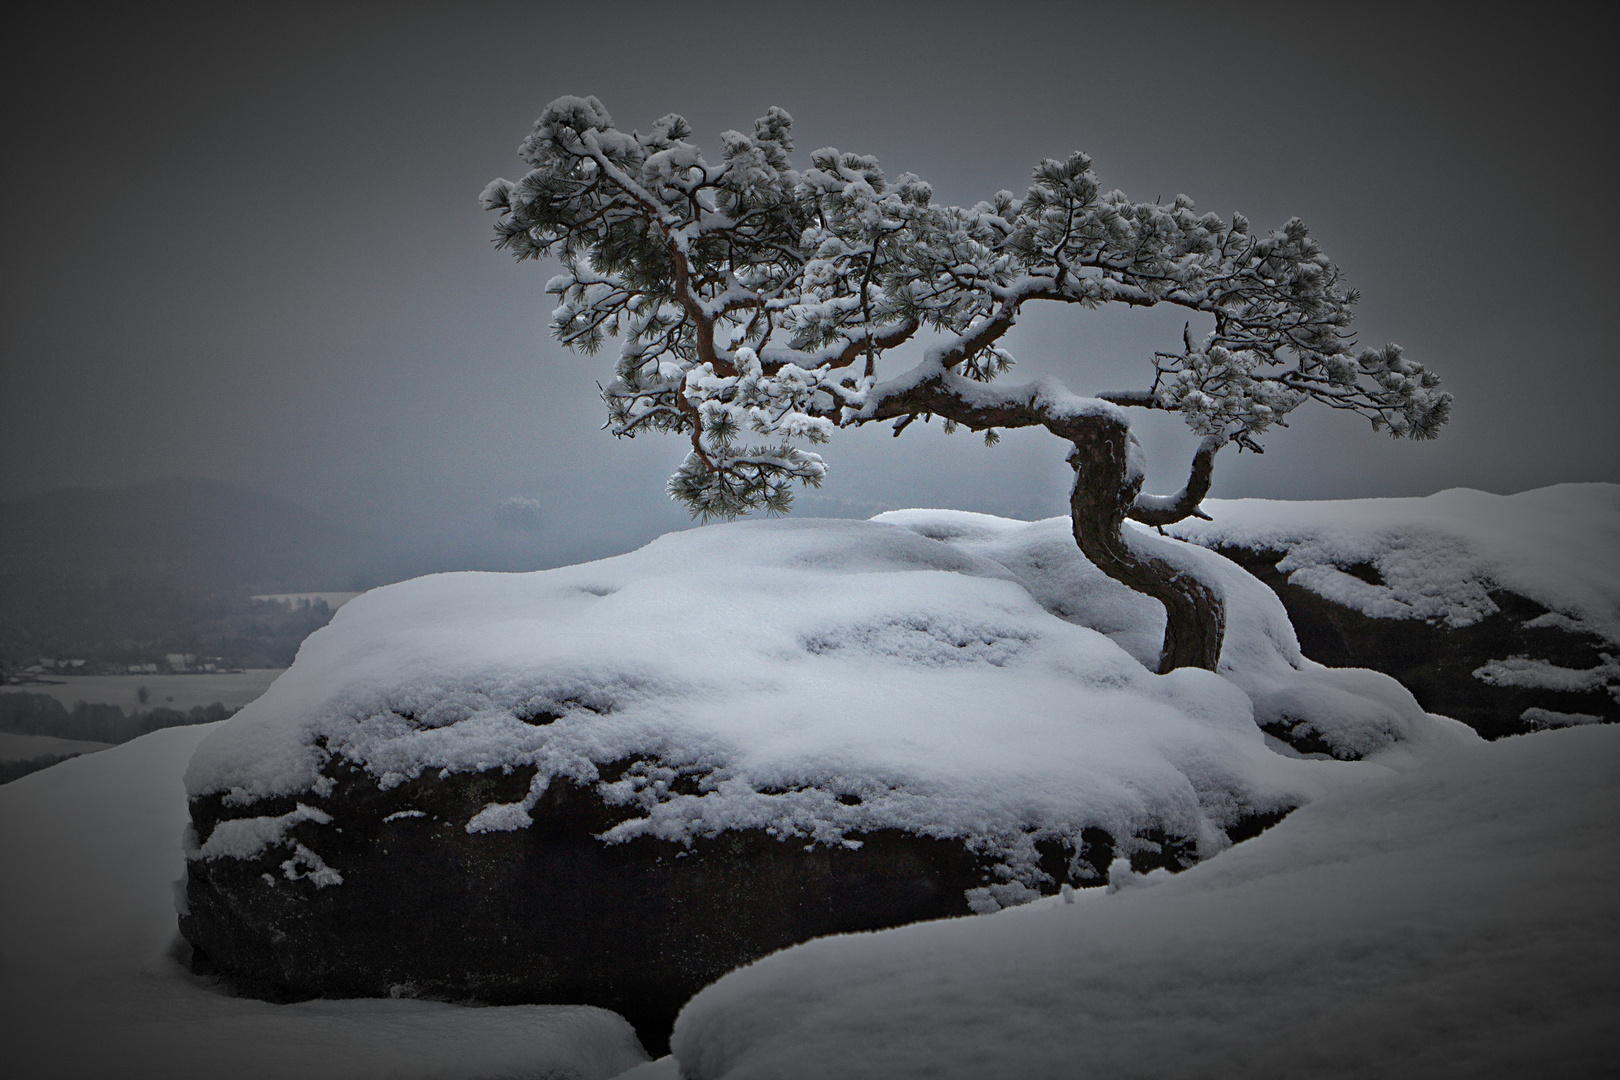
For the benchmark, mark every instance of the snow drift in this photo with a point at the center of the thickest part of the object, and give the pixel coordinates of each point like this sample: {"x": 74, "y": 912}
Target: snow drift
{"x": 91, "y": 984}
{"x": 1458, "y": 919}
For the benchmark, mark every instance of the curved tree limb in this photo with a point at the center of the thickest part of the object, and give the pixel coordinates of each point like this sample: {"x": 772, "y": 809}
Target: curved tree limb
{"x": 1169, "y": 509}
{"x": 1107, "y": 490}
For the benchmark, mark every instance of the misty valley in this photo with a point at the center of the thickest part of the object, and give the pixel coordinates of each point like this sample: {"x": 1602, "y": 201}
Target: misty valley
{"x": 123, "y": 611}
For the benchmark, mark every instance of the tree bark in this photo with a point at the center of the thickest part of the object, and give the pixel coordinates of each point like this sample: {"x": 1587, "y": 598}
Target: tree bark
{"x": 1103, "y": 494}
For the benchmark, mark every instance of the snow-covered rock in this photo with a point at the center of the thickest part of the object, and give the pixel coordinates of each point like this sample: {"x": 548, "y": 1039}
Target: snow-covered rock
{"x": 92, "y": 983}
{"x": 610, "y": 783}
{"x": 1500, "y": 611}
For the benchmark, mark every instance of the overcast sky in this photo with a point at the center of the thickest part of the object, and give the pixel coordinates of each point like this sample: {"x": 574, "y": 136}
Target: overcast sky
{"x": 245, "y": 244}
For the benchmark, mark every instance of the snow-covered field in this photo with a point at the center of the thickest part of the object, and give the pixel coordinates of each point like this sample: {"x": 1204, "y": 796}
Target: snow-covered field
{"x": 231, "y": 689}
{"x": 14, "y": 747}
{"x": 1442, "y": 907}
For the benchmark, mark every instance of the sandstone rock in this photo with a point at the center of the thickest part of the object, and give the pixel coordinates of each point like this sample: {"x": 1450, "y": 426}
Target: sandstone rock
{"x": 1502, "y": 611}
{"x": 1437, "y": 662}
{"x": 609, "y": 784}
{"x": 551, "y": 914}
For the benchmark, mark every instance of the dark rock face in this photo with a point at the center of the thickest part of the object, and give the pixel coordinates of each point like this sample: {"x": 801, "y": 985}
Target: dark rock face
{"x": 1437, "y": 662}
{"x": 551, "y": 915}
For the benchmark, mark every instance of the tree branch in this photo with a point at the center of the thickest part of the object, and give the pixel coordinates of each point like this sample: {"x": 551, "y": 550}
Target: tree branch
{"x": 1169, "y": 509}
{"x": 1143, "y": 399}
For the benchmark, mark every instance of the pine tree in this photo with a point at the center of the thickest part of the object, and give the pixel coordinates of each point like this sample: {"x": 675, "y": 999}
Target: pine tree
{"x": 754, "y": 304}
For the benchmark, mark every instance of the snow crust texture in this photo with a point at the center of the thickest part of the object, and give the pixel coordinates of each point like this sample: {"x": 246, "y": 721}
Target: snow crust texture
{"x": 948, "y": 674}
{"x": 1346, "y": 712}
{"x": 1459, "y": 918}
{"x": 1440, "y": 556}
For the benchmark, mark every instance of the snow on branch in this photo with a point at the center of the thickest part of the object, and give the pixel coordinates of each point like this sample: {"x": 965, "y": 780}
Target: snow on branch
{"x": 754, "y": 302}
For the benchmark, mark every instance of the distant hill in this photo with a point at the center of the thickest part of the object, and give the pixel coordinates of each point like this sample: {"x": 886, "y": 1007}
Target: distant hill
{"x": 194, "y": 532}
{"x": 125, "y": 575}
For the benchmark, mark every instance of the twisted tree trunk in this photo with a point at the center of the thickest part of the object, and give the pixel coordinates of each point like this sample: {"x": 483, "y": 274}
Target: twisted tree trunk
{"x": 1106, "y": 491}
{"x": 1104, "y": 495}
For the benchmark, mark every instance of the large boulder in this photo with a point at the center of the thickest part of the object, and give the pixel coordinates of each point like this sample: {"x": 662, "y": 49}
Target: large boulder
{"x": 1500, "y": 611}
{"x": 609, "y": 784}
{"x": 549, "y": 913}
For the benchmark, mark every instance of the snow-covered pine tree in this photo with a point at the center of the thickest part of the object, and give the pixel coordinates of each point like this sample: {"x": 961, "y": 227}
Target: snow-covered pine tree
{"x": 755, "y": 303}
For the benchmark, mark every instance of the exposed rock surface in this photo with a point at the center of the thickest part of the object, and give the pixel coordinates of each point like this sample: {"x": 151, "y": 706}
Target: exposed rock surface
{"x": 551, "y": 914}
{"x": 1438, "y": 663}
{"x": 1502, "y": 611}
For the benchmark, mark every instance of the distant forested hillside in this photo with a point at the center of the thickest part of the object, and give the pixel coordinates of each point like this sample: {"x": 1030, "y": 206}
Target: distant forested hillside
{"x": 38, "y": 714}
{"x": 201, "y": 534}
{"x": 127, "y": 575}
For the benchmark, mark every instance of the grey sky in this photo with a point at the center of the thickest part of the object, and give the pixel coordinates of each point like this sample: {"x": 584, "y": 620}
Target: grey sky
{"x": 246, "y": 245}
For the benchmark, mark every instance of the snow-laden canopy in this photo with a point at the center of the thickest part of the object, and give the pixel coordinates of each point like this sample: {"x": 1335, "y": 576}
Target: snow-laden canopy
{"x": 933, "y": 671}
{"x": 754, "y": 299}
{"x": 756, "y": 304}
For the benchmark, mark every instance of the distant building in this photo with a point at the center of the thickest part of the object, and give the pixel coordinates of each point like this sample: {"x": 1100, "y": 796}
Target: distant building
{"x": 294, "y": 601}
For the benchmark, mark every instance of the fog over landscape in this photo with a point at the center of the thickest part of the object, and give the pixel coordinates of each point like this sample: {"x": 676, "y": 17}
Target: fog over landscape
{"x": 246, "y": 245}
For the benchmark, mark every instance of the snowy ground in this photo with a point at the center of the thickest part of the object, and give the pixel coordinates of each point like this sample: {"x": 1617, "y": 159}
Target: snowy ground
{"x": 14, "y": 747}
{"x": 90, "y": 985}
{"x": 182, "y": 692}
{"x": 1457, "y": 919}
